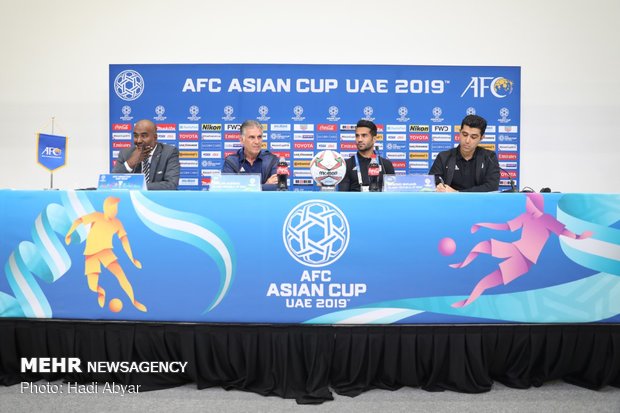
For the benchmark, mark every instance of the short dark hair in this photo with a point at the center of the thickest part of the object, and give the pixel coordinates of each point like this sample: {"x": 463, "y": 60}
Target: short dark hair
{"x": 363, "y": 123}
{"x": 475, "y": 121}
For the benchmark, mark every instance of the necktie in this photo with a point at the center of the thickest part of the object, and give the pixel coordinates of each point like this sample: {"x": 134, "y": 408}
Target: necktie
{"x": 146, "y": 168}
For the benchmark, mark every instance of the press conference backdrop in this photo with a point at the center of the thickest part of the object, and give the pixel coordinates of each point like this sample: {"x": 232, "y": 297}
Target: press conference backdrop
{"x": 309, "y": 108}
{"x": 312, "y": 257}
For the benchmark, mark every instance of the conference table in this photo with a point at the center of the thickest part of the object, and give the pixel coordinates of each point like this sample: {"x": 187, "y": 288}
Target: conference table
{"x": 290, "y": 293}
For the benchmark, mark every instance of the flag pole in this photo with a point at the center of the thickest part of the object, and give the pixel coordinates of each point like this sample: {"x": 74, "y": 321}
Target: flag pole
{"x": 52, "y": 172}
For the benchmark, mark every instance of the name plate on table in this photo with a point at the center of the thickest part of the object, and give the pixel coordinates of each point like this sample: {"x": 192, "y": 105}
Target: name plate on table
{"x": 235, "y": 183}
{"x": 121, "y": 181}
{"x": 408, "y": 183}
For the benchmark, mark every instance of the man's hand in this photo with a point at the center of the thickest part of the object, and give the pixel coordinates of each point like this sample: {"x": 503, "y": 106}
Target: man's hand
{"x": 445, "y": 188}
{"x": 137, "y": 263}
{"x": 273, "y": 179}
{"x": 139, "y": 154}
{"x": 585, "y": 234}
{"x": 475, "y": 228}
{"x": 68, "y": 239}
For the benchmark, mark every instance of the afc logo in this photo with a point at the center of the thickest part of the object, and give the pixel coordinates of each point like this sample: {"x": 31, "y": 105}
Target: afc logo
{"x": 500, "y": 87}
{"x": 51, "y": 151}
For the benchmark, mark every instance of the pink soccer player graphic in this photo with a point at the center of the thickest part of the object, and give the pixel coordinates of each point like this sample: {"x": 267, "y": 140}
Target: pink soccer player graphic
{"x": 519, "y": 255}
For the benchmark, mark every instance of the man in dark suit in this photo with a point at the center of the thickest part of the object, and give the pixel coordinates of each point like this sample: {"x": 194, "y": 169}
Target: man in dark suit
{"x": 159, "y": 162}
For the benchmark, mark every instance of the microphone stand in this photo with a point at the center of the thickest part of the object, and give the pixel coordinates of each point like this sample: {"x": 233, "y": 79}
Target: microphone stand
{"x": 511, "y": 181}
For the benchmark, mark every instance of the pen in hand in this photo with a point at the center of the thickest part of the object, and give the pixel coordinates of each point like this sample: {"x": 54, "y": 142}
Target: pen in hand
{"x": 441, "y": 182}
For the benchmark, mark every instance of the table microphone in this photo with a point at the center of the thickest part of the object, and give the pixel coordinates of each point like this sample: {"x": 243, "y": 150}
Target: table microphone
{"x": 510, "y": 180}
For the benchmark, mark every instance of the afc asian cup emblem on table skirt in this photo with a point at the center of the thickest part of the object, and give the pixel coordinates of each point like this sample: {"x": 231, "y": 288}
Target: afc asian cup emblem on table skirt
{"x": 316, "y": 233}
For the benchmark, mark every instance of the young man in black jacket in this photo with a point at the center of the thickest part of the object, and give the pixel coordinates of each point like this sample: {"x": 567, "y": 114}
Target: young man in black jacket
{"x": 356, "y": 178}
{"x": 467, "y": 168}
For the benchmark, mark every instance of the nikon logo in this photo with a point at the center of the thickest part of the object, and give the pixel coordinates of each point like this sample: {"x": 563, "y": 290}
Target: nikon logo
{"x": 211, "y": 126}
{"x": 419, "y": 128}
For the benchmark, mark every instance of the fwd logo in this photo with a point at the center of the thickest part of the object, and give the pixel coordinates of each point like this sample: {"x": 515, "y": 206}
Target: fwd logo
{"x": 441, "y": 128}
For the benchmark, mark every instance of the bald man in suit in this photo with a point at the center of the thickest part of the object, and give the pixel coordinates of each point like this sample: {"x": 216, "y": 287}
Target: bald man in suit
{"x": 163, "y": 159}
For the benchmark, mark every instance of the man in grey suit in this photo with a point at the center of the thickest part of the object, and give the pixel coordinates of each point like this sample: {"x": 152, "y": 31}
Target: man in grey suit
{"x": 158, "y": 160}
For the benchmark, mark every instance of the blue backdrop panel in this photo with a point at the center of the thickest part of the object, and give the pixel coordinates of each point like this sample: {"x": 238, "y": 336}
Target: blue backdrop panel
{"x": 302, "y": 257}
{"x": 309, "y": 108}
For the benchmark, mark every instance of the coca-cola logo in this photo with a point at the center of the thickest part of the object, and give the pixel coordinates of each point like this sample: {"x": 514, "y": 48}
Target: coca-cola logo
{"x": 373, "y": 168}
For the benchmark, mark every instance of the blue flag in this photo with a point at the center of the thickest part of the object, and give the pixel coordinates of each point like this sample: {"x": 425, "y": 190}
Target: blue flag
{"x": 51, "y": 151}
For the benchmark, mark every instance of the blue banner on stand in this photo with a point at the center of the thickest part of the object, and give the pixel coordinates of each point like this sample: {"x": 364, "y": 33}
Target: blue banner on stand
{"x": 309, "y": 108}
{"x": 295, "y": 257}
{"x": 51, "y": 151}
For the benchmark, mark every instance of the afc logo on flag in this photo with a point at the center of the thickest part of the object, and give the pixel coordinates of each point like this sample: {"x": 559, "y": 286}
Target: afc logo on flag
{"x": 51, "y": 152}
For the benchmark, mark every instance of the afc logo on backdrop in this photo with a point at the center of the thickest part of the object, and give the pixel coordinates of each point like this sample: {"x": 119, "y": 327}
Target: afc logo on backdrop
{"x": 129, "y": 85}
{"x": 228, "y": 111}
{"x": 126, "y": 110}
{"x": 333, "y": 114}
{"x": 193, "y": 113}
{"x": 500, "y": 87}
{"x": 263, "y": 110}
{"x": 402, "y": 114}
{"x": 298, "y": 111}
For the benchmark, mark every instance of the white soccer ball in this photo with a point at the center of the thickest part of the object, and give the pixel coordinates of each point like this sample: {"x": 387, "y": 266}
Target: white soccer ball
{"x": 328, "y": 168}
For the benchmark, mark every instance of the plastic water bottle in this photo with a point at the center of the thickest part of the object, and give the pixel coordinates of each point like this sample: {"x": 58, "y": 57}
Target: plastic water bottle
{"x": 282, "y": 173}
{"x": 373, "y": 175}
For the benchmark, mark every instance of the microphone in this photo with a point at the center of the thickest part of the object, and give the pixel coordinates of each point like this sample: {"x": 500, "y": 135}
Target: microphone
{"x": 381, "y": 165}
{"x": 510, "y": 180}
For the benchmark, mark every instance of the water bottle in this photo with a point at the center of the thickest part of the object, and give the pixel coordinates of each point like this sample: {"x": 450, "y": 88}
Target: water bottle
{"x": 282, "y": 173}
{"x": 373, "y": 175}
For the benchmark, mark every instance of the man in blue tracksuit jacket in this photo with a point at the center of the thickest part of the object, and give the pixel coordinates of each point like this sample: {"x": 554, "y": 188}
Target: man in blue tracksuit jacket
{"x": 251, "y": 159}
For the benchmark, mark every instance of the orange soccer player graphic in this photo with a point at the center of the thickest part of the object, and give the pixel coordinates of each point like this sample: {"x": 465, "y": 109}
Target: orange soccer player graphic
{"x": 99, "y": 247}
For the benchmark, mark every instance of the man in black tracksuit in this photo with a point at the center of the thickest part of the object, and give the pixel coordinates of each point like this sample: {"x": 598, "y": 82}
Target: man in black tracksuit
{"x": 467, "y": 168}
{"x": 356, "y": 178}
